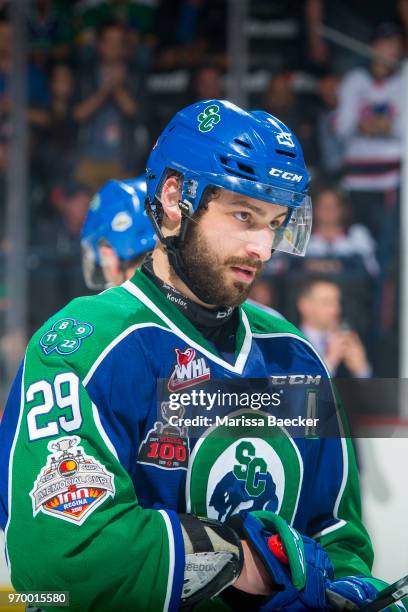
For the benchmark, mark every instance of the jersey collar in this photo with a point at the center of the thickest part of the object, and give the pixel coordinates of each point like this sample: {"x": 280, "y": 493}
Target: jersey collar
{"x": 151, "y": 296}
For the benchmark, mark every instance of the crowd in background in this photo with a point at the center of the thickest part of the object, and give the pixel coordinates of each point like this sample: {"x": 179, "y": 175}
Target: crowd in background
{"x": 104, "y": 78}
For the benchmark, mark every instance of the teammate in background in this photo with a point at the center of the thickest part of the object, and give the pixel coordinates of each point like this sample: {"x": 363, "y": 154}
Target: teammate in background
{"x": 116, "y": 233}
{"x": 123, "y": 508}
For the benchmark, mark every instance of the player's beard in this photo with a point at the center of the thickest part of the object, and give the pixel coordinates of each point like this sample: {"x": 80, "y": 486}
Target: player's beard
{"x": 207, "y": 270}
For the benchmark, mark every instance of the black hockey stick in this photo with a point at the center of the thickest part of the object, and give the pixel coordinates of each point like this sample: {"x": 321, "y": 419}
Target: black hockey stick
{"x": 388, "y": 596}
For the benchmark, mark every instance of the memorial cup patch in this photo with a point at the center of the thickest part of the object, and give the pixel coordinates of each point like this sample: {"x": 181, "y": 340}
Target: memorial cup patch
{"x": 72, "y": 484}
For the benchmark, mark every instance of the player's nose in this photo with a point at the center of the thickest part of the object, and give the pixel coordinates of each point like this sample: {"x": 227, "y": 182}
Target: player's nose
{"x": 260, "y": 245}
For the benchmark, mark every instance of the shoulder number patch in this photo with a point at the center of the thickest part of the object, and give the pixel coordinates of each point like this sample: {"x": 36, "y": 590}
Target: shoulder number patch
{"x": 72, "y": 484}
{"x": 65, "y": 336}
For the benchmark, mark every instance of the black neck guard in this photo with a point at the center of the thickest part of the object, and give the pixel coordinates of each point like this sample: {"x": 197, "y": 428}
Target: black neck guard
{"x": 197, "y": 314}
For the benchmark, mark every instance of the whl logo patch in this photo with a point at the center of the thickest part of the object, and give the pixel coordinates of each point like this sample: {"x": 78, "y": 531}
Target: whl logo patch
{"x": 188, "y": 371}
{"x": 72, "y": 484}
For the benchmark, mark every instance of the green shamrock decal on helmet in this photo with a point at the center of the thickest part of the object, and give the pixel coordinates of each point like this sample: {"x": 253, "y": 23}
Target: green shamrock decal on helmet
{"x": 209, "y": 118}
{"x": 65, "y": 336}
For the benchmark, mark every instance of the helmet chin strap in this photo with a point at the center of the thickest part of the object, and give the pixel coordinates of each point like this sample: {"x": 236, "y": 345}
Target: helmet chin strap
{"x": 174, "y": 245}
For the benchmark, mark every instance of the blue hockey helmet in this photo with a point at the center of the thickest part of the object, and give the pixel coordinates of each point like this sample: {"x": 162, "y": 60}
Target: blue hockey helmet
{"x": 215, "y": 143}
{"x": 116, "y": 217}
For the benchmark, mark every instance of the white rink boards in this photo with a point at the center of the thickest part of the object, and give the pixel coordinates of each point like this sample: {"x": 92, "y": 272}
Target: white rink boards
{"x": 384, "y": 492}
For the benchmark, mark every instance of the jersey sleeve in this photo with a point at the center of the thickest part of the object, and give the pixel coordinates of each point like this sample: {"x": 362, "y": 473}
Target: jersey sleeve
{"x": 330, "y": 504}
{"x": 335, "y": 509}
{"x": 339, "y": 526}
{"x": 74, "y": 522}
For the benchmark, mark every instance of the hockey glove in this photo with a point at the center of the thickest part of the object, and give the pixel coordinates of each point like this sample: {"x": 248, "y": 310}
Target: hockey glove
{"x": 303, "y": 571}
{"x": 213, "y": 559}
{"x": 352, "y": 592}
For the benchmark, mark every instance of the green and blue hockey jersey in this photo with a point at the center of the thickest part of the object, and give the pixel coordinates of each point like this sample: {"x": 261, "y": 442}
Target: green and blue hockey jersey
{"x": 94, "y": 473}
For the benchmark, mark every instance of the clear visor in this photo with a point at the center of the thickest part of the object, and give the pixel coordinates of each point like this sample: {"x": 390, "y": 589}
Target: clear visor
{"x": 293, "y": 235}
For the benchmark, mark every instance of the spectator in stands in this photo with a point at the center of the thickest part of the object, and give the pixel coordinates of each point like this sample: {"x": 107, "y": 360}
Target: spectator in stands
{"x": 335, "y": 238}
{"x": 108, "y": 111}
{"x": 207, "y": 82}
{"x": 190, "y": 32}
{"x": 37, "y": 111}
{"x": 320, "y": 312}
{"x": 355, "y": 18}
{"x": 138, "y": 16}
{"x": 262, "y": 292}
{"x": 71, "y": 201}
{"x": 61, "y": 230}
{"x": 56, "y": 253}
{"x": 263, "y": 296}
{"x": 62, "y": 135}
{"x": 330, "y": 147}
{"x": 37, "y": 84}
{"x": 49, "y": 31}
{"x": 369, "y": 123}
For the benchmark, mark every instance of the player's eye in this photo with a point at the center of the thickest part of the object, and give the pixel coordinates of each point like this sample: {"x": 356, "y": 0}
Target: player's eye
{"x": 242, "y": 216}
{"x": 276, "y": 223}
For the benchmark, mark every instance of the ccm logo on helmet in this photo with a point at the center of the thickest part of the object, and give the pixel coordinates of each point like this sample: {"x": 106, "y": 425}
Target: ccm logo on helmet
{"x": 287, "y": 176}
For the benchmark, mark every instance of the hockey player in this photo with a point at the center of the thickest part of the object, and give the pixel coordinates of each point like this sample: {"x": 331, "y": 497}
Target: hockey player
{"x": 114, "y": 500}
{"x": 116, "y": 233}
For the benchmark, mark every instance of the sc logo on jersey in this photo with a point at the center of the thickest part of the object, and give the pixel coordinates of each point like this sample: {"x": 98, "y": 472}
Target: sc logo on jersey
{"x": 249, "y": 482}
{"x": 247, "y": 469}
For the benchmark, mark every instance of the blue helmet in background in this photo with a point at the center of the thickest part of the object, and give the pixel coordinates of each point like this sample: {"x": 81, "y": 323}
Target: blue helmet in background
{"x": 215, "y": 143}
{"x": 116, "y": 217}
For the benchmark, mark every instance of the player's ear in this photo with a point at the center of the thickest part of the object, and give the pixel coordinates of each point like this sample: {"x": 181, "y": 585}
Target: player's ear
{"x": 170, "y": 196}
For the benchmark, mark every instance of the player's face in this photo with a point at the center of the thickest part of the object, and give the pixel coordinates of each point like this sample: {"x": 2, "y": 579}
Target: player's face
{"x": 110, "y": 263}
{"x": 114, "y": 272}
{"x": 226, "y": 248}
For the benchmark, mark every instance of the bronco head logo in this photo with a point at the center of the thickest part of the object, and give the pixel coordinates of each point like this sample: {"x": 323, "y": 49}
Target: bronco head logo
{"x": 184, "y": 358}
{"x": 231, "y": 495}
